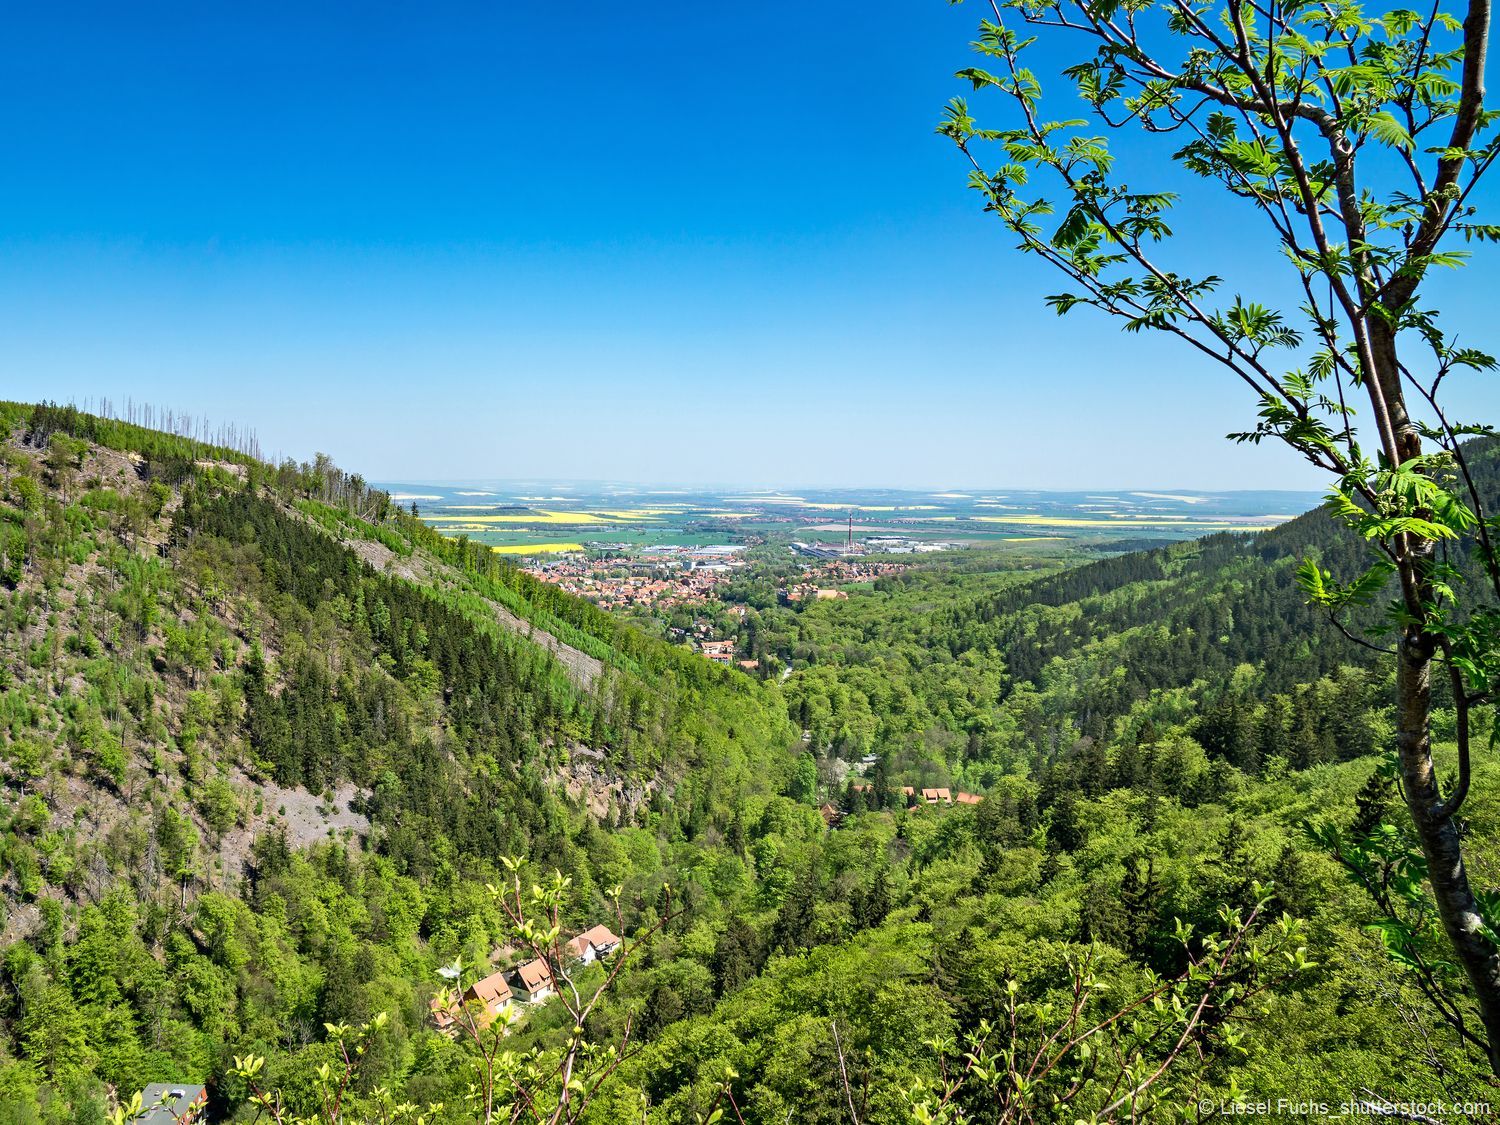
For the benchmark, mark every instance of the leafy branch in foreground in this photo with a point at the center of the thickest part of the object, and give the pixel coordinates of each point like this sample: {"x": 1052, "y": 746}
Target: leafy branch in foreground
{"x": 554, "y": 1087}
{"x": 1385, "y": 861}
{"x": 551, "y": 1085}
{"x": 1101, "y": 1062}
{"x": 1359, "y": 138}
{"x": 333, "y": 1086}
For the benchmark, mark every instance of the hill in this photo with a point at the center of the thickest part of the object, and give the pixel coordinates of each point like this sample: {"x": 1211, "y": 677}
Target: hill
{"x": 267, "y": 738}
{"x": 961, "y": 678}
{"x": 211, "y": 665}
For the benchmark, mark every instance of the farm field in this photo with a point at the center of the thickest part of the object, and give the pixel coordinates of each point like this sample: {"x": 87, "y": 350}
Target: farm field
{"x": 530, "y": 517}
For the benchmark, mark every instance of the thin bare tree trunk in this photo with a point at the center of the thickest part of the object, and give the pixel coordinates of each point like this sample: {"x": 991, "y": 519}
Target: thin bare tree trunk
{"x": 1436, "y": 828}
{"x": 1439, "y": 834}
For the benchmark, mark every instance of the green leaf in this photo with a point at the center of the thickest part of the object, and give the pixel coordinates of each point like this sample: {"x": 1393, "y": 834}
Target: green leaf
{"x": 1384, "y": 127}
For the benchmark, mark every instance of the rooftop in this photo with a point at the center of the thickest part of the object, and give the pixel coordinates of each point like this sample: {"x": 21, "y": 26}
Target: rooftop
{"x": 534, "y": 975}
{"x": 492, "y": 990}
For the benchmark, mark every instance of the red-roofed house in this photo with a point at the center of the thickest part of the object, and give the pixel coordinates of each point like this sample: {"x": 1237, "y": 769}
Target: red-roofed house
{"x": 532, "y": 982}
{"x": 492, "y": 992}
{"x": 720, "y": 652}
{"x": 968, "y": 798}
{"x": 594, "y": 944}
{"x": 442, "y": 1017}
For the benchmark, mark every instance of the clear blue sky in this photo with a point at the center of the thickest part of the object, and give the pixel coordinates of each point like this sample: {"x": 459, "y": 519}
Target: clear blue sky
{"x": 685, "y": 242}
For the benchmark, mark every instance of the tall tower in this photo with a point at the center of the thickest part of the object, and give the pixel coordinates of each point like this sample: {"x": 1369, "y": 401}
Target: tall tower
{"x": 849, "y": 543}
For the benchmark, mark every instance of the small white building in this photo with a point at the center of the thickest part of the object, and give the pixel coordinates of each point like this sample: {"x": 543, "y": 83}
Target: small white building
{"x": 594, "y": 944}
{"x": 172, "y": 1103}
{"x": 533, "y": 982}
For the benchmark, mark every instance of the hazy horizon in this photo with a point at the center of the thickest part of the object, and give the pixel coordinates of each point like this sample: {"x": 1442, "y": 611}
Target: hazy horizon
{"x": 300, "y": 435}
{"x": 359, "y": 233}
{"x": 377, "y": 222}
{"x": 786, "y": 488}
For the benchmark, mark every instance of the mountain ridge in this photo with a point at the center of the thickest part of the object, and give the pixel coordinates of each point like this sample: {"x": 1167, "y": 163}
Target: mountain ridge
{"x": 267, "y": 737}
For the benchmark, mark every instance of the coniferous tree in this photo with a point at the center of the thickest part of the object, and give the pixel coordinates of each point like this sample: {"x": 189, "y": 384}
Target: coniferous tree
{"x": 737, "y": 955}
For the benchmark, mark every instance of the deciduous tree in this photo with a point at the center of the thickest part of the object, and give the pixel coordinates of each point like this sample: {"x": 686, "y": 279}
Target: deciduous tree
{"x": 1359, "y": 138}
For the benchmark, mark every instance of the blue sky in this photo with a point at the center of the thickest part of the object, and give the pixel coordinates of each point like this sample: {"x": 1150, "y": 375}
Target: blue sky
{"x": 673, "y": 242}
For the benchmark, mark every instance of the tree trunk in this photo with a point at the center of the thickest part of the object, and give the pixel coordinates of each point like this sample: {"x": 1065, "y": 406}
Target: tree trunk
{"x": 1439, "y": 834}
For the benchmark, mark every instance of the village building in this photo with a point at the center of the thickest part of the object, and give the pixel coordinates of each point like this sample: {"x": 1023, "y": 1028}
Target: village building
{"x": 532, "y": 982}
{"x": 936, "y": 796}
{"x": 720, "y": 652}
{"x": 594, "y": 944}
{"x": 492, "y": 992}
{"x": 673, "y": 575}
{"x": 172, "y": 1103}
{"x": 443, "y": 1016}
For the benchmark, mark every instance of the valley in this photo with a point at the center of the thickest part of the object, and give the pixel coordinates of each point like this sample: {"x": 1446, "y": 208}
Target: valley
{"x": 931, "y": 564}
{"x": 552, "y": 517}
{"x": 270, "y": 743}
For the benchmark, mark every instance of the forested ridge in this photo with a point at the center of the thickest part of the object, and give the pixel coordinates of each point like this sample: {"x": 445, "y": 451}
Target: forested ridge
{"x": 962, "y": 686}
{"x": 266, "y": 741}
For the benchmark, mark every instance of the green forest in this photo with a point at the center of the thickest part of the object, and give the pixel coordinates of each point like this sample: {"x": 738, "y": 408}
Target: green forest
{"x": 314, "y": 815}
{"x": 272, "y": 748}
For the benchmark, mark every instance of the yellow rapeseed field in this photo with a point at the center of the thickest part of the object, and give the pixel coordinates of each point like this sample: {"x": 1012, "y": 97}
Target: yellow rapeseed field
{"x": 536, "y": 548}
{"x": 541, "y": 516}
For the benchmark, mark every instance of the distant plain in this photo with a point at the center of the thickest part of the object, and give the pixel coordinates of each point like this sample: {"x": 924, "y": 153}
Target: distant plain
{"x": 537, "y": 517}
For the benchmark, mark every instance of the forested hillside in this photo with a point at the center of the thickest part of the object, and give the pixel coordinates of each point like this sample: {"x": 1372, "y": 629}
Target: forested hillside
{"x": 267, "y": 739}
{"x": 960, "y": 686}
{"x": 211, "y": 703}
